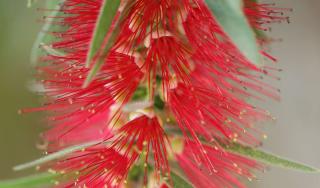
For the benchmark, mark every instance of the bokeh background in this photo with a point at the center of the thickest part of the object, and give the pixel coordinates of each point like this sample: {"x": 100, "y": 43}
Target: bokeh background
{"x": 296, "y": 133}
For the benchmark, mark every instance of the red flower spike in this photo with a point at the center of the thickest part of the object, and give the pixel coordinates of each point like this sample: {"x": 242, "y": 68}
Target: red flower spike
{"x": 142, "y": 134}
{"x": 206, "y": 82}
{"x": 228, "y": 167}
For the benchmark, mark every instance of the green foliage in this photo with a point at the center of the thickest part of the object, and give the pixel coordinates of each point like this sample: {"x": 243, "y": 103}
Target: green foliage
{"x": 54, "y": 156}
{"x": 52, "y": 4}
{"x": 38, "y": 180}
{"x": 44, "y": 38}
{"x": 106, "y": 48}
{"x": 135, "y": 172}
{"x": 158, "y": 102}
{"x": 140, "y": 93}
{"x": 179, "y": 181}
{"x": 30, "y": 3}
{"x": 269, "y": 158}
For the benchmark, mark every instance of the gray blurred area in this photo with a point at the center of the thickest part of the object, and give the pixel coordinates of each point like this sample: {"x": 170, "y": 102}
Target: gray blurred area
{"x": 18, "y": 134}
{"x": 295, "y": 135}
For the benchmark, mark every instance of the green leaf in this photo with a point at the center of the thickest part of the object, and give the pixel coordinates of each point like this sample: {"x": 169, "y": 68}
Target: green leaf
{"x": 30, "y": 181}
{"x": 52, "y": 51}
{"x": 260, "y": 34}
{"x": 54, "y": 156}
{"x": 179, "y": 181}
{"x": 140, "y": 93}
{"x": 159, "y": 103}
{"x": 230, "y": 15}
{"x": 105, "y": 50}
{"x": 43, "y": 37}
{"x": 108, "y": 12}
{"x": 135, "y": 172}
{"x": 269, "y": 158}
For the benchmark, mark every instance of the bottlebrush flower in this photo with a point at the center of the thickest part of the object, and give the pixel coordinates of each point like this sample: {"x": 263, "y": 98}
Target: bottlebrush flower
{"x": 189, "y": 69}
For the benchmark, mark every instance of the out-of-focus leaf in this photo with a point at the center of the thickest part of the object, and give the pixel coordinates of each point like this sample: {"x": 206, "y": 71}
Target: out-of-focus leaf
{"x": 135, "y": 172}
{"x": 30, "y": 3}
{"x": 179, "y": 181}
{"x": 54, "y": 156}
{"x": 140, "y": 93}
{"x": 43, "y": 36}
{"x": 38, "y": 180}
{"x": 269, "y": 158}
{"x": 230, "y": 15}
{"x": 107, "y": 14}
{"x": 52, "y": 51}
{"x": 158, "y": 102}
{"x": 51, "y": 4}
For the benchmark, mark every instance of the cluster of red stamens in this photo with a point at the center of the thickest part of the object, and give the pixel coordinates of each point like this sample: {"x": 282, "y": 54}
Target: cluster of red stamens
{"x": 172, "y": 73}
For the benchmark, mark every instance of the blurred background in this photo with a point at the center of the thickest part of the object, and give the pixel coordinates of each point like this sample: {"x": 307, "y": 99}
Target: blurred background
{"x": 295, "y": 135}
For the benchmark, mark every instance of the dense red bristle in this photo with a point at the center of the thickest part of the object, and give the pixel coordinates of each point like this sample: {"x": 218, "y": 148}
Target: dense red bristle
{"x": 71, "y": 105}
{"x": 179, "y": 53}
{"x": 214, "y": 103}
{"x": 101, "y": 165}
{"x": 145, "y": 133}
{"x": 172, "y": 58}
{"x": 148, "y": 18}
{"x": 228, "y": 167}
{"x": 98, "y": 166}
{"x": 261, "y": 15}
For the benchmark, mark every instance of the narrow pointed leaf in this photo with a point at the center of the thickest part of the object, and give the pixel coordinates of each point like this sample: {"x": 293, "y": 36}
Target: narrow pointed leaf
{"x": 106, "y": 48}
{"x": 107, "y": 14}
{"x": 43, "y": 37}
{"x": 54, "y": 156}
{"x": 52, "y": 51}
{"x": 230, "y": 15}
{"x": 179, "y": 181}
{"x": 38, "y": 180}
{"x": 260, "y": 155}
{"x": 269, "y": 158}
